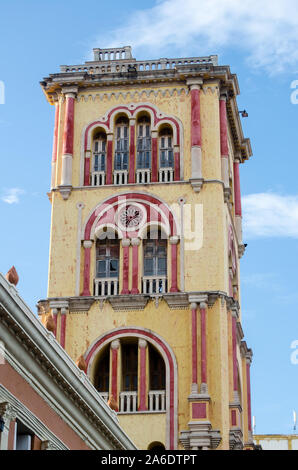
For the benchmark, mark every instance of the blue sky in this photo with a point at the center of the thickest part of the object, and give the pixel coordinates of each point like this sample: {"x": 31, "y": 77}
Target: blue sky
{"x": 262, "y": 48}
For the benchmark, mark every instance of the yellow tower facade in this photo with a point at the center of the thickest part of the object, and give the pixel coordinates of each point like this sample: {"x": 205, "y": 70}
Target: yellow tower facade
{"x": 145, "y": 244}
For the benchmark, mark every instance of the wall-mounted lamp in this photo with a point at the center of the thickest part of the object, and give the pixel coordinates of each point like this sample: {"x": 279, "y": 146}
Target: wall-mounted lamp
{"x": 243, "y": 113}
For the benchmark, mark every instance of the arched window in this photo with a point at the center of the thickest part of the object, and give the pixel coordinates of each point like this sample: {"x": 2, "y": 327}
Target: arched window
{"x": 107, "y": 265}
{"x": 121, "y": 150}
{"x": 136, "y": 376}
{"x": 99, "y": 159}
{"x": 155, "y": 263}
{"x": 166, "y": 155}
{"x": 144, "y": 143}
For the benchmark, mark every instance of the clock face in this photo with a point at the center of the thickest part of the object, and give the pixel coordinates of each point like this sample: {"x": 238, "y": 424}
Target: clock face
{"x": 130, "y": 217}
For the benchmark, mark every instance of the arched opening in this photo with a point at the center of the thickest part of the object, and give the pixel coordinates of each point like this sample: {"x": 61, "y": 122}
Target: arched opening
{"x": 107, "y": 264}
{"x": 156, "y": 446}
{"x": 121, "y": 150}
{"x": 99, "y": 146}
{"x": 155, "y": 262}
{"x": 166, "y": 154}
{"x": 143, "y": 142}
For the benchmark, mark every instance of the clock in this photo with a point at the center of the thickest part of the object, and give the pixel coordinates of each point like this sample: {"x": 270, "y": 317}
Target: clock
{"x": 130, "y": 216}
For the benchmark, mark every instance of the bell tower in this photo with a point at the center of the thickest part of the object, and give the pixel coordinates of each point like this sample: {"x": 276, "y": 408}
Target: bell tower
{"x": 145, "y": 243}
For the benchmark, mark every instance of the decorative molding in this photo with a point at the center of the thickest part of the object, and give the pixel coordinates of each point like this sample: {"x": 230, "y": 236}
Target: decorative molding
{"x": 132, "y": 95}
{"x": 200, "y": 435}
{"x": 197, "y": 184}
{"x": 80, "y": 304}
{"x": 128, "y": 302}
{"x": 236, "y": 439}
{"x": 16, "y": 409}
{"x": 177, "y": 300}
{"x": 65, "y": 191}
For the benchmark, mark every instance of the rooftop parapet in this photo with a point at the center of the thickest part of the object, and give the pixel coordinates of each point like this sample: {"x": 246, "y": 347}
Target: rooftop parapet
{"x": 120, "y": 59}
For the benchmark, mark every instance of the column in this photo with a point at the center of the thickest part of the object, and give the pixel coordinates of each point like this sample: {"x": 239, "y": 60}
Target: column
{"x": 237, "y": 196}
{"x": 132, "y": 150}
{"x": 194, "y": 347}
{"x": 204, "y": 385}
{"x": 67, "y": 144}
{"x": 87, "y": 168}
{"x": 55, "y": 316}
{"x": 87, "y": 244}
{"x": 173, "y": 242}
{"x": 64, "y": 312}
{"x": 142, "y": 375}
{"x": 109, "y": 166}
{"x": 55, "y": 146}
{"x": 248, "y": 363}
{"x": 135, "y": 265}
{"x": 196, "y": 136}
{"x": 8, "y": 415}
{"x": 115, "y": 345}
{"x": 234, "y": 350}
{"x": 125, "y": 276}
{"x": 224, "y": 148}
{"x": 176, "y": 163}
{"x": 154, "y": 156}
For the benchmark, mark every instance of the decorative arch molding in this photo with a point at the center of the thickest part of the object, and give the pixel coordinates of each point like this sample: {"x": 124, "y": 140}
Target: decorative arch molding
{"x": 131, "y": 110}
{"x": 171, "y": 371}
{"x": 157, "y": 211}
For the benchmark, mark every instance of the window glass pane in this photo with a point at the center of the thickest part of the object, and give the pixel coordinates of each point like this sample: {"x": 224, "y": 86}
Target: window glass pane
{"x": 101, "y": 268}
{"x": 148, "y": 267}
{"x": 102, "y": 162}
{"x": 113, "y": 268}
{"x": 161, "y": 266}
{"x": 96, "y": 147}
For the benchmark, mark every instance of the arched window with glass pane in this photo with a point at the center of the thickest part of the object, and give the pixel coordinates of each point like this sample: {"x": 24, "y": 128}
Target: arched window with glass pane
{"x": 99, "y": 159}
{"x": 155, "y": 263}
{"x": 143, "y": 143}
{"x": 121, "y": 144}
{"x": 166, "y": 155}
{"x": 107, "y": 266}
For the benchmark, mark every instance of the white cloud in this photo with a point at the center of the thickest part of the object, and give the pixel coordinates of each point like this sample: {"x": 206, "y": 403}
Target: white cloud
{"x": 12, "y": 195}
{"x": 270, "y": 215}
{"x": 265, "y": 30}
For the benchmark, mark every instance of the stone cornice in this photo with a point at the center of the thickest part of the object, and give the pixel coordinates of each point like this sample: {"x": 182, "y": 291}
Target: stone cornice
{"x": 23, "y": 333}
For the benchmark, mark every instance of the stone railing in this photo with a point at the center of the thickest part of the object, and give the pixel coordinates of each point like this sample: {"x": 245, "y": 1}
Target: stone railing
{"x": 166, "y": 175}
{"x": 157, "y": 400}
{"x": 128, "y": 402}
{"x": 131, "y": 65}
{"x": 120, "y": 177}
{"x": 143, "y": 176}
{"x": 154, "y": 284}
{"x": 98, "y": 178}
{"x": 105, "y": 286}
